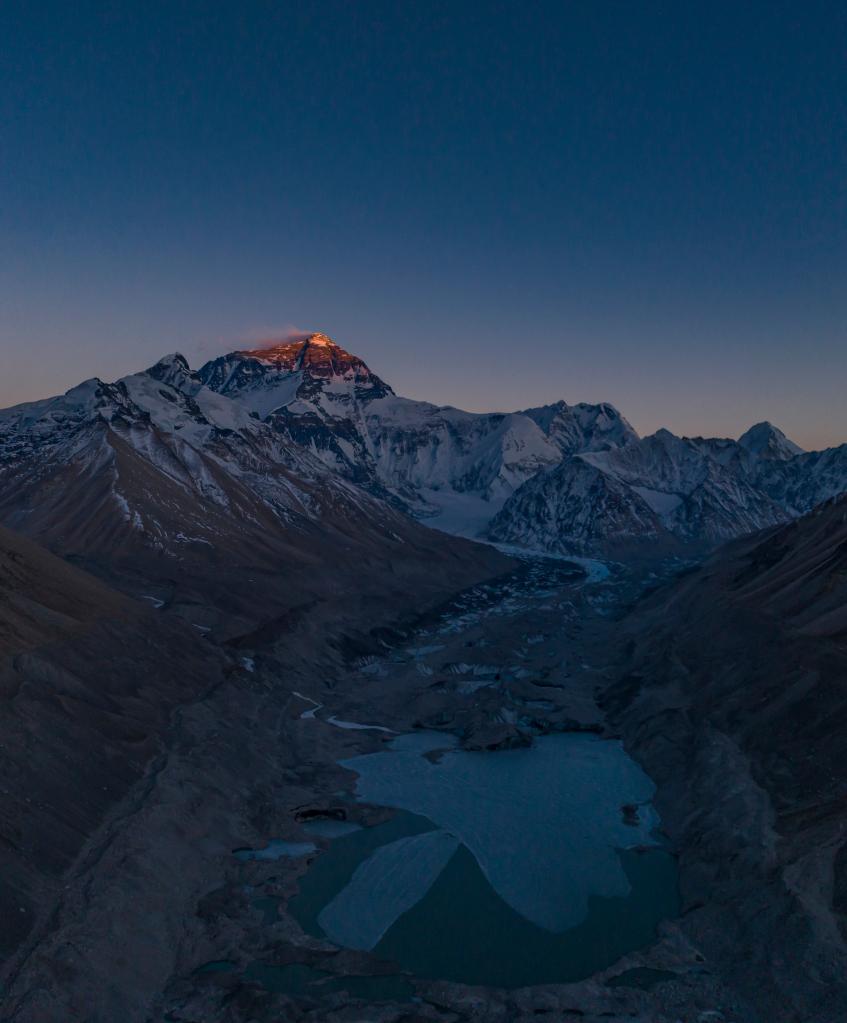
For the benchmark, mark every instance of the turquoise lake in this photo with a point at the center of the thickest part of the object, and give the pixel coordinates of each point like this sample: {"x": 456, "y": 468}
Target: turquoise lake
{"x": 506, "y": 868}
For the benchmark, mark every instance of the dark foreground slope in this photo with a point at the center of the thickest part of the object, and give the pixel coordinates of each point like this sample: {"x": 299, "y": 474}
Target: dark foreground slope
{"x": 736, "y": 703}
{"x": 88, "y": 681}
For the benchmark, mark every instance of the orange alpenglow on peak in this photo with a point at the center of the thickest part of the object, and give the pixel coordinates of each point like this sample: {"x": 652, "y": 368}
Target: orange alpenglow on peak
{"x": 286, "y": 347}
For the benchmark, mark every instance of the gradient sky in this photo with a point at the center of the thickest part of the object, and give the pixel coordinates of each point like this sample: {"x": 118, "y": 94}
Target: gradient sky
{"x": 495, "y": 204}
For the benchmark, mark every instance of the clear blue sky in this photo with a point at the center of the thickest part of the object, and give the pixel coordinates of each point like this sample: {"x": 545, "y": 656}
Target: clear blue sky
{"x": 495, "y": 204}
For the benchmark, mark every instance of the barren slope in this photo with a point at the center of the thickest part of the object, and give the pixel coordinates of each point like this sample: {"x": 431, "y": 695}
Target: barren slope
{"x": 88, "y": 679}
{"x": 736, "y": 703}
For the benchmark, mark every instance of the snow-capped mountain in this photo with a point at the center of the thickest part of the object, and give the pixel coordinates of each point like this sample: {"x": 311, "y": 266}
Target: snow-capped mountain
{"x": 764, "y": 440}
{"x": 311, "y": 368}
{"x": 558, "y": 477}
{"x": 438, "y": 462}
{"x": 808, "y": 479}
{"x": 574, "y": 507}
{"x": 702, "y": 490}
{"x": 206, "y": 447}
{"x": 158, "y": 478}
{"x": 588, "y": 504}
{"x": 303, "y": 435}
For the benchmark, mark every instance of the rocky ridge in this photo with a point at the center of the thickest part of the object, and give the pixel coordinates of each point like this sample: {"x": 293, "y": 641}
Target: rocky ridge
{"x": 171, "y": 490}
{"x": 732, "y": 695}
{"x": 426, "y": 458}
{"x": 530, "y": 477}
{"x": 304, "y": 426}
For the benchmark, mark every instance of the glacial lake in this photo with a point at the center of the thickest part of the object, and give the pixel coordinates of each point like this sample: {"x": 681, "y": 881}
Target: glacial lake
{"x": 508, "y": 868}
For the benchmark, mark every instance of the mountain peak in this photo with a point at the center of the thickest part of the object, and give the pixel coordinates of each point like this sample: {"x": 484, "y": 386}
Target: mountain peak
{"x": 175, "y": 360}
{"x": 768, "y": 441}
{"x": 174, "y": 370}
{"x": 321, "y": 340}
{"x": 303, "y": 367}
{"x": 289, "y": 348}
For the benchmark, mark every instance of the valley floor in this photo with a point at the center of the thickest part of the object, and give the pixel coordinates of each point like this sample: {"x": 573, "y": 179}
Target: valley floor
{"x": 166, "y": 924}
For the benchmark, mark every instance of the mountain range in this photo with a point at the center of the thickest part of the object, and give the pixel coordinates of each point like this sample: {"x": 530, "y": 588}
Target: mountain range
{"x": 261, "y": 446}
{"x": 270, "y": 513}
{"x": 562, "y": 478}
{"x": 169, "y": 490}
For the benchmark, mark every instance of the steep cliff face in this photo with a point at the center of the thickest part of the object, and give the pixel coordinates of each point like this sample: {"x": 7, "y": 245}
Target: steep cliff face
{"x": 734, "y": 699}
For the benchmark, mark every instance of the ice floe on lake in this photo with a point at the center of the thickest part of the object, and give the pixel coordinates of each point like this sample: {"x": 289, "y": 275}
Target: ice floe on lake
{"x": 560, "y": 799}
{"x": 393, "y": 879}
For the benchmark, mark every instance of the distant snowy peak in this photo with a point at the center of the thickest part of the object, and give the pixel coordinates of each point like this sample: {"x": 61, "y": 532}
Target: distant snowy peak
{"x": 314, "y": 354}
{"x": 650, "y": 491}
{"x": 268, "y": 378}
{"x": 428, "y": 459}
{"x": 582, "y": 427}
{"x": 699, "y": 489}
{"x": 174, "y": 370}
{"x": 574, "y": 507}
{"x": 459, "y": 468}
{"x": 767, "y": 441}
{"x": 291, "y": 352}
